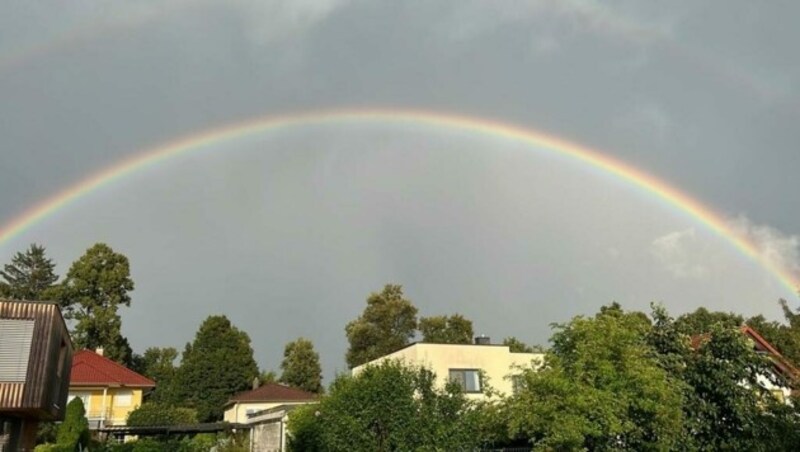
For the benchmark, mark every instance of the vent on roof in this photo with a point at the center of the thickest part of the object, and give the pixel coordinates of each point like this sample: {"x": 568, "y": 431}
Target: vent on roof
{"x": 483, "y": 340}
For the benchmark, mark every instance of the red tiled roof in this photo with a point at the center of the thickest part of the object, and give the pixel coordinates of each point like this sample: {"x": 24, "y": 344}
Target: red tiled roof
{"x": 273, "y": 392}
{"x": 91, "y": 369}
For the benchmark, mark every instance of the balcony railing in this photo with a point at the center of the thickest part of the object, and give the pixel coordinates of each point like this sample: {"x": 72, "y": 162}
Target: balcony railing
{"x": 98, "y": 418}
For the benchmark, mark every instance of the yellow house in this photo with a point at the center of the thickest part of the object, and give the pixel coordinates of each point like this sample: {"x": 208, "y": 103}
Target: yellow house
{"x": 264, "y": 397}
{"x": 473, "y": 366}
{"x": 109, "y": 390}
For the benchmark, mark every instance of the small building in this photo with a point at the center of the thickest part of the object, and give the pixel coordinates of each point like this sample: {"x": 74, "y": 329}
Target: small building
{"x": 473, "y": 366}
{"x": 268, "y": 431}
{"x": 109, "y": 390}
{"x": 264, "y": 397}
{"x": 35, "y": 360}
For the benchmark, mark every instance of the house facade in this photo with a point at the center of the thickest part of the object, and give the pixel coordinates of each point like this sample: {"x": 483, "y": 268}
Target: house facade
{"x": 473, "y": 366}
{"x": 264, "y": 397}
{"x": 35, "y": 361}
{"x": 109, "y": 390}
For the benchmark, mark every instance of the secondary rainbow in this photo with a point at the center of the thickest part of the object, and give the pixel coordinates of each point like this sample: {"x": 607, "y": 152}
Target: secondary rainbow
{"x": 546, "y": 143}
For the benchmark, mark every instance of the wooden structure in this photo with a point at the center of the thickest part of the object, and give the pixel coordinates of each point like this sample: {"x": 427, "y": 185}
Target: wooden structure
{"x": 35, "y": 363}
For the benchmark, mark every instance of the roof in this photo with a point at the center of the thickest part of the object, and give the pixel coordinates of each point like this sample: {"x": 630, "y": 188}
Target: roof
{"x": 91, "y": 369}
{"x": 273, "y": 392}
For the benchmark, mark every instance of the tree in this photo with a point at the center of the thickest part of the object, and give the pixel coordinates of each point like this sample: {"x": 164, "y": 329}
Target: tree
{"x": 217, "y": 365}
{"x": 784, "y": 336}
{"x": 267, "y": 376}
{"x": 97, "y": 284}
{"x": 301, "y": 367}
{"x": 386, "y": 407}
{"x": 29, "y": 276}
{"x": 454, "y": 329}
{"x": 74, "y": 431}
{"x": 701, "y": 320}
{"x": 600, "y": 389}
{"x": 387, "y": 324}
{"x": 158, "y": 364}
{"x": 517, "y": 346}
{"x": 726, "y": 405}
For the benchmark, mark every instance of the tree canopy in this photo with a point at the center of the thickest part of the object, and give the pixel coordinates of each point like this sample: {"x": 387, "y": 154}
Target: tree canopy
{"x": 29, "y": 276}
{"x": 387, "y": 324}
{"x": 386, "y": 407}
{"x": 215, "y": 366}
{"x": 301, "y": 367}
{"x": 96, "y": 285}
{"x": 454, "y": 329}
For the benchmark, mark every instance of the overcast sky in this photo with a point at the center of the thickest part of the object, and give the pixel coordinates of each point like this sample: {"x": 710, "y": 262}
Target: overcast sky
{"x": 288, "y": 232}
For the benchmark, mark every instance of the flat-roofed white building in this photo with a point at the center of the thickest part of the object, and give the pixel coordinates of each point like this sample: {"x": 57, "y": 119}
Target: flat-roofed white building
{"x": 473, "y": 366}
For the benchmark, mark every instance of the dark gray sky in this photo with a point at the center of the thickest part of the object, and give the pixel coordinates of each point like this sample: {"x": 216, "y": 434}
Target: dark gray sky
{"x": 288, "y": 232}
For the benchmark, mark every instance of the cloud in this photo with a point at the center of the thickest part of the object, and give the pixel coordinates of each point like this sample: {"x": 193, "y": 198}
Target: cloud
{"x": 269, "y": 21}
{"x": 648, "y": 119}
{"x": 776, "y": 248}
{"x": 678, "y": 252}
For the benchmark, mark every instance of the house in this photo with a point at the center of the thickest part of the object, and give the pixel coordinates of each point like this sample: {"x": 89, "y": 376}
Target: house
{"x": 109, "y": 390}
{"x": 473, "y": 366}
{"x": 269, "y": 395}
{"x": 268, "y": 431}
{"x": 35, "y": 360}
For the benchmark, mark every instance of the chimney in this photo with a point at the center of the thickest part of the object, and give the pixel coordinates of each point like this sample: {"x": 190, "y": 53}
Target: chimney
{"x": 483, "y": 340}
{"x": 99, "y": 351}
{"x": 256, "y": 383}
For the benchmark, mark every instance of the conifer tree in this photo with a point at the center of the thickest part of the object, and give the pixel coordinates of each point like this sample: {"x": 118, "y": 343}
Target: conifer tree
{"x": 301, "y": 367}
{"x": 29, "y": 276}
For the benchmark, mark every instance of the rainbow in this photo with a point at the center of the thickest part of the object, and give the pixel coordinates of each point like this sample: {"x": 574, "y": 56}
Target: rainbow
{"x": 148, "y": 158}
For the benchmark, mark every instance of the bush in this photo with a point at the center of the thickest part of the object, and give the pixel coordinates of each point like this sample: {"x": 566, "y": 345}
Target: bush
{"x": 74, "y": 430}
{"x": 47, "y": 447}
{"x": 153, "y": 413}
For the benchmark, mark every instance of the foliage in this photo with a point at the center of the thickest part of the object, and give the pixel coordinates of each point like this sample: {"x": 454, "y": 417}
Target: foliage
{"x": 386, "y": 407}
{"x": 96, "y": 285}
{"x": 701, "y": 320}
{"x": 154, "y": 413}
{"x": 48, "y": 447}
{"x": 784, "y": 336}
{"x": 454, "y": 329}
{"x": 517, "y": 346}
{"x": 387, "y": 324}
{"x": 218, "y": 364}
{"x": 301, "y": 367}
{"x": 158, "y": 364}
{"x": 601, "y": 388}
{"x": 74, "y": 430}
{"x": 726, "y": 405}
{"x": 29, "y": 276}
{"x": 267, "y": 376}
{"x": 46, "y": 433}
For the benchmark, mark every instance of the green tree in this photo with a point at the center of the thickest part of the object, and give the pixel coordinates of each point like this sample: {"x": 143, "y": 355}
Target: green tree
{"x": 386, "y": 407}
{"x": 517, "y": 346}
{"x": 217, "y": 365}
{"x": 154, "y": 413}
{"x": 96, "y": 285}
{"x": 726, "y": 405}
{"x": 784, "y": 336}
{"x": 29, "y": 276}
{"x": 74, "y": 431}
{"x": 301, "y": 367}
{"x": 387, "y": 324}
{"x": 267, "y": 376}
{"x": 701, "y": 320}
{"x": 442, "y": 329}
{"x": 158, "y": 364}
{"x": 600, "y": 389}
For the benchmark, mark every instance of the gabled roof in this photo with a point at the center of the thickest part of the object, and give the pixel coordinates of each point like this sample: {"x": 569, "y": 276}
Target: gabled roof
{"x": 273, "y": 392}
{"x": 91, "y": 369}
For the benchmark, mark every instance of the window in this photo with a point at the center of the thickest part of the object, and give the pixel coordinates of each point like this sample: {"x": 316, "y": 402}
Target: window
{"x": 15, "y": 349}
{"x": 468, "y": 379}
{"x": 517, "y": 384}
{"x": 123, "y": 398}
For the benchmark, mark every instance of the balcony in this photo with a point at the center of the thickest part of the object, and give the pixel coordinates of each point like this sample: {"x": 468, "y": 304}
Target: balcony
{"x": 98, "y": 418}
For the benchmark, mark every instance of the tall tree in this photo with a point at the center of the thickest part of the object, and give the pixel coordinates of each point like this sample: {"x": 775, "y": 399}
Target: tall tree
{"x": 454, "y": 329}
{"x": 301, "y": 367}
{"x": 29, "y": 276}
{"x": 218, "y": 364}
{"x": 73, "y": 433}
{"x": 97, "y": 284}
{"x": 388, "y": 323}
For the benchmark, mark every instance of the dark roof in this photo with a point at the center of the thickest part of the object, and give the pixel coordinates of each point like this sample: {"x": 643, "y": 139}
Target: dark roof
{"x": 91, "y": 369}
{"x": 273, "y": 392}
{"x": 150, "y": 430}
